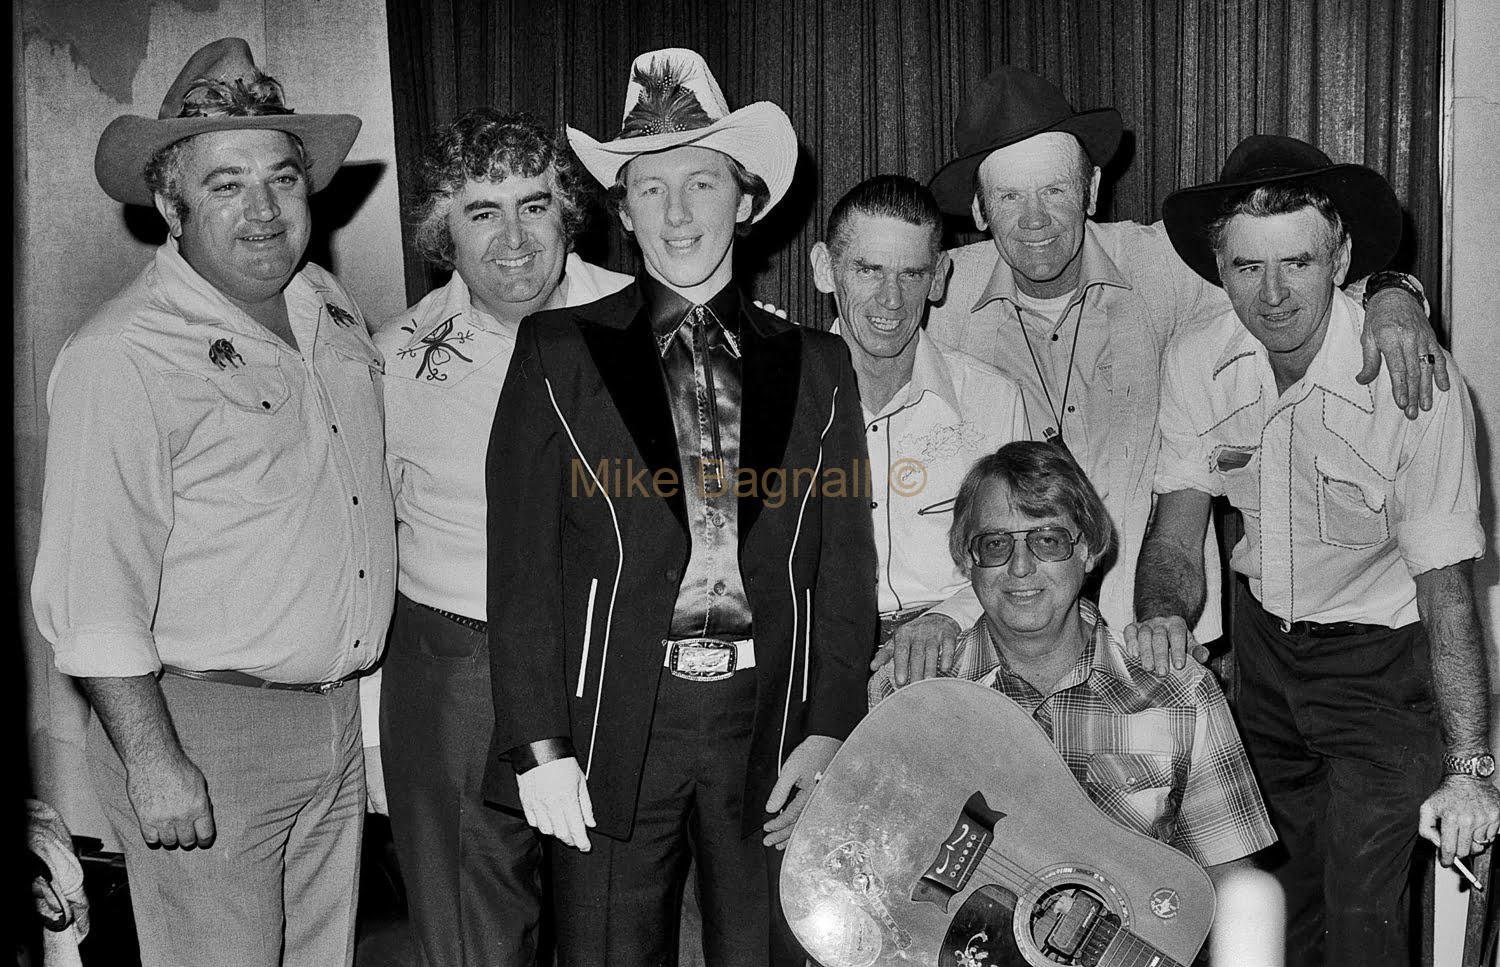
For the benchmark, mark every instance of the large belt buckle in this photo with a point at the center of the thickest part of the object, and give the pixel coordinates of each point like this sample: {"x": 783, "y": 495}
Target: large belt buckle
{"x": 702, "y": 659}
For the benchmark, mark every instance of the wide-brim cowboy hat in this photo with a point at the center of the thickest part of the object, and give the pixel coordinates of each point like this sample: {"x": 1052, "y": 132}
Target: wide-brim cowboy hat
{"x": 129, "y": 142}
{"x": 1363, "y": 198}
{"x": 1006, "y": 108}
{"x": 673, "y": 101}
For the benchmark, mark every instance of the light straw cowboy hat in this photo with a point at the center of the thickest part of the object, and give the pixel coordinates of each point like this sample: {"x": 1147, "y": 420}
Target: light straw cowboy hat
{"x": 673, "y": 101}
{"x": 130, "y": 141}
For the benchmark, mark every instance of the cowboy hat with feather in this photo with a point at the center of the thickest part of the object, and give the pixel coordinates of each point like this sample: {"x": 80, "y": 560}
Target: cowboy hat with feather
{"x": 673, "y": 101}
{"x": 130, "y": 142}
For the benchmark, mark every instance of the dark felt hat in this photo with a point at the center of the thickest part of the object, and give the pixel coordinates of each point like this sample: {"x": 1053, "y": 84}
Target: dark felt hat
{"x": 130, "y": 141}
{"x": 1363, "y": 198}
{"x": 1006, "y": 108}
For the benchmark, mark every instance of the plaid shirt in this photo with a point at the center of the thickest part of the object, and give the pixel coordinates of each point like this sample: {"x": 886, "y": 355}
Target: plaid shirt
{"x": 1159, "y": 754}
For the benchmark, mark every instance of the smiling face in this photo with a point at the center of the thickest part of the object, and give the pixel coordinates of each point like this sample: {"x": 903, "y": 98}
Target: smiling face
{"x": 882, "y": 272}
{"x": 509, "y": 244}
{"x": 683, "y": 205}
{"x": 1026, "y": 600}
{"x": 247, "y": 220}
{"x": 1280, "y": 272}
{"x": 1036, "y": 199}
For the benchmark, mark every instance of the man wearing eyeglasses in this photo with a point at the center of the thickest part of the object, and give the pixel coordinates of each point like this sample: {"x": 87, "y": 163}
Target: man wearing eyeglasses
{"x": 1159, "y": 754}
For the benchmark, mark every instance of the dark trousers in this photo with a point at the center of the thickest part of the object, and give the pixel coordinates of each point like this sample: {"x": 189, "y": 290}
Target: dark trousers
{"x": 620, "y": 903}
{"x": 472, "y": 871}
{"x": 1344, "y": 737}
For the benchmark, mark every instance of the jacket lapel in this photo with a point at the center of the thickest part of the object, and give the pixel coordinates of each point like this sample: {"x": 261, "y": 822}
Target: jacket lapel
{"x": 771, "y": 366}
{"x": 631, "y": 371}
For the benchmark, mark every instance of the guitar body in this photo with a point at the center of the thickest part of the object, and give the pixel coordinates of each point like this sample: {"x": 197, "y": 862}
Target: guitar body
{"x": 948, "y": 831}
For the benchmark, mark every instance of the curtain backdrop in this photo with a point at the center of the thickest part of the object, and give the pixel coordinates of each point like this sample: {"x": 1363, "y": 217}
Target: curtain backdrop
{"x": 874, "y": 85}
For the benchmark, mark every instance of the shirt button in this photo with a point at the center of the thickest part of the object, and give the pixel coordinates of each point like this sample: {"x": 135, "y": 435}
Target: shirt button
{"x": 356, "y": 501}
{"x": 361, "y": 572}
{"x": 1072, "y": 408}
{"x": 670, "y": 574}
{"x": 1054, "y": 337}
{"x": 266, "y": 404}
{"x": 356, "y": 642}
{"x": 335, "y": 427}
{"x": 874, "y": 427}
{"x": 874, "y": 504}
{"x": 719, "y": 587}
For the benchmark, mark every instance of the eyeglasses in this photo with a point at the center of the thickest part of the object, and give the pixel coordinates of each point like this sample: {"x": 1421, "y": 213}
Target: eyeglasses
{"x": 1049, "y": 544}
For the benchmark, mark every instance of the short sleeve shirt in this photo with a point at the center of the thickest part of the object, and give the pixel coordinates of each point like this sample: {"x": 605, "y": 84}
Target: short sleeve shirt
{"x": 1159, "y": 754}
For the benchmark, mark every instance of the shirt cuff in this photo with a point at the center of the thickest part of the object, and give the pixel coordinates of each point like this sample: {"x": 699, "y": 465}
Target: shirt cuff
{"x": 1428, "y": 543}
{"x": 106, "y": 654}
{"x": 529, "y": 755}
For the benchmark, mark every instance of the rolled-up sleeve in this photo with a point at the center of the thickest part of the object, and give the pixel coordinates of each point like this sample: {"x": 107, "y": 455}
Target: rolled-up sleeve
{"x": 1437, "y": 484}
{"x": 1184, "y": 460}
{"x": 106, "y": 513}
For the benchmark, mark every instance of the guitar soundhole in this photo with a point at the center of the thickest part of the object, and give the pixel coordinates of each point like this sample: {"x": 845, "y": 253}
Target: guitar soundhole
{"x": 1069, "y": 922}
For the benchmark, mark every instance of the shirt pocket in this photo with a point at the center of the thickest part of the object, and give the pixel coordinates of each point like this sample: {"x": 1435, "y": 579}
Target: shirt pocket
{"x": 1238, "y": 468}
{"x": 1136, "y": 788}
{"x": 1352, "y": 508}
{"x": 248, "y": 432}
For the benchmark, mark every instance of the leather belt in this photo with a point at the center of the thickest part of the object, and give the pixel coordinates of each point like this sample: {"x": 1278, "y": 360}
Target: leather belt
{"x": 227, "y": 677}
{"x": 1333, "y": 629}
{"x": 707, "y": 659}
{"x": 473, "y": 624}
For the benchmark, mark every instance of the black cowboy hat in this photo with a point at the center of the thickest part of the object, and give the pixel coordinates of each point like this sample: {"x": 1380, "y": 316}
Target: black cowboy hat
{"x": 130, "y": 141}
{"x": 1006, "y": 108}
{"x": 1363, "y": 198}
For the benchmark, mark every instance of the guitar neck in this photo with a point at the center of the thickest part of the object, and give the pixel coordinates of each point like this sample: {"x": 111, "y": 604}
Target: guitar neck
{"x": 1108, "y": 945}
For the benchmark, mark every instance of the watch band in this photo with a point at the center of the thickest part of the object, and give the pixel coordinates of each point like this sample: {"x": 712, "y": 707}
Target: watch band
{"x": 1481, "y": 765}
{"x": 1389, "y": 279}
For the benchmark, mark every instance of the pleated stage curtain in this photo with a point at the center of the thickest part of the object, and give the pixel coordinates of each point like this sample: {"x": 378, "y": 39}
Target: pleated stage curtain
{"x": 874, "y": 85}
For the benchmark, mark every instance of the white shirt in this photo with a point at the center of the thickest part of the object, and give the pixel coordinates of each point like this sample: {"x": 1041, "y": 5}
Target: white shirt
{"x": 445, "y": 364}
{"x": 1344, "y": 499}
{"x": 215, "y": 500}
{"x": 954, "y": 410}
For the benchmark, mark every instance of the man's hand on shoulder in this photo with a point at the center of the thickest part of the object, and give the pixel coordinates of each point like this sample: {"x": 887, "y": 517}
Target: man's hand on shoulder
{"x": 920, "y": 649}
{"x": 171, "y": 803}
{"x": 1461, "y": 817}
{"x": 1161, "y": 644}
{"x": 1397, "y": 330}
{"x": 555, "y": 798}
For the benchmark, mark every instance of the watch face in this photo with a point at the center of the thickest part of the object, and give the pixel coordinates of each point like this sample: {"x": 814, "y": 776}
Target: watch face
{"x": 1484, "y": 766}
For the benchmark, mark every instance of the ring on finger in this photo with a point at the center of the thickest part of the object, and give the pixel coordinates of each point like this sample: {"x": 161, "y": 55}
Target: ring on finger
{"x": 1429, "y": 359}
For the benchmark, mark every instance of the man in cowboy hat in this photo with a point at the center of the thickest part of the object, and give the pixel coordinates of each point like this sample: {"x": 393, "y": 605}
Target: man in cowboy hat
{"x": 501, "y": 201}
{"x": 1359, "y": 651}
{"x": 681, "y": 594}
{"x": 217, "y": 547}
{"x": 1078, "y": 312}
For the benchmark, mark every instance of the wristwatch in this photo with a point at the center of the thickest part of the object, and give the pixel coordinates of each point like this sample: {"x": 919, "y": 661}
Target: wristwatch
{"x": 1480, "y": 766}
{"x": 1388, "y": 279}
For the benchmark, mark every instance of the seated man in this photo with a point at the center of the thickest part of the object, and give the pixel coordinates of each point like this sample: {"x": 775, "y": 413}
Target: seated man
{"x": 1358, "y": 647}
{"x": 1029, "y": 528}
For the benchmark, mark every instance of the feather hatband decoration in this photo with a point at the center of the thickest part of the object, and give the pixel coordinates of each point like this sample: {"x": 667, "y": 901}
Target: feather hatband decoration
{"x": 666, "y": 104}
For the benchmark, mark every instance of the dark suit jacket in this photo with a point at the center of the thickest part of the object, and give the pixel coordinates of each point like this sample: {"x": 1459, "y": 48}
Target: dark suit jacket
{"x": 584, "y": 568}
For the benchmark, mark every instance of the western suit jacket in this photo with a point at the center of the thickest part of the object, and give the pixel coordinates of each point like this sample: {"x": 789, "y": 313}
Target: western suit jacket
{"x": 588, "y": 539}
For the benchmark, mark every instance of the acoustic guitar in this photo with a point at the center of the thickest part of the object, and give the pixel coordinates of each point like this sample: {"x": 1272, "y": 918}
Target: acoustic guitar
{"x": 948, "y": 831}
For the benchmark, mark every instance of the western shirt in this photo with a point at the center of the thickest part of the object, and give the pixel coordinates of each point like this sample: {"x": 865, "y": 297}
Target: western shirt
{"x": 214, "y": 499}
{"x": 1345, "y": 500}
{"x": 446, "y": 361}
{"x": 1159, "y": 754}
{"x": 1133, "y": 295}
{"x": 954, "y": 410}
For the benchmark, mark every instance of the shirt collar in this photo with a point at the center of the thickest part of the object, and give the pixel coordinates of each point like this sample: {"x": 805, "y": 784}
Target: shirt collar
{"x": 1332, "y": 369}
{"x": 667, "y": 310}
{"x": 199, "y": 303}
{"x": 929, "y": 373}
{"x": 1099, "y": 656}
{"x": 1095, "y": 268}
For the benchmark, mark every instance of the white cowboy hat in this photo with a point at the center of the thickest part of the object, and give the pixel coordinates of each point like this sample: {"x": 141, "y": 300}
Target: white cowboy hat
{"x": 130, "y": 141}
{"x": 673, "y": 101}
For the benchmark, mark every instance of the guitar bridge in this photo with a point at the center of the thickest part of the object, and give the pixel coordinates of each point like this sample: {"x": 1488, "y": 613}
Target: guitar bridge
{"x": 960, "y": 854}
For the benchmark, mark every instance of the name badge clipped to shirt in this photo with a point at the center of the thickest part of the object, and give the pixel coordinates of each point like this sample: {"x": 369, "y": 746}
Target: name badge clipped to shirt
{"x": 1228, "y": 458}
